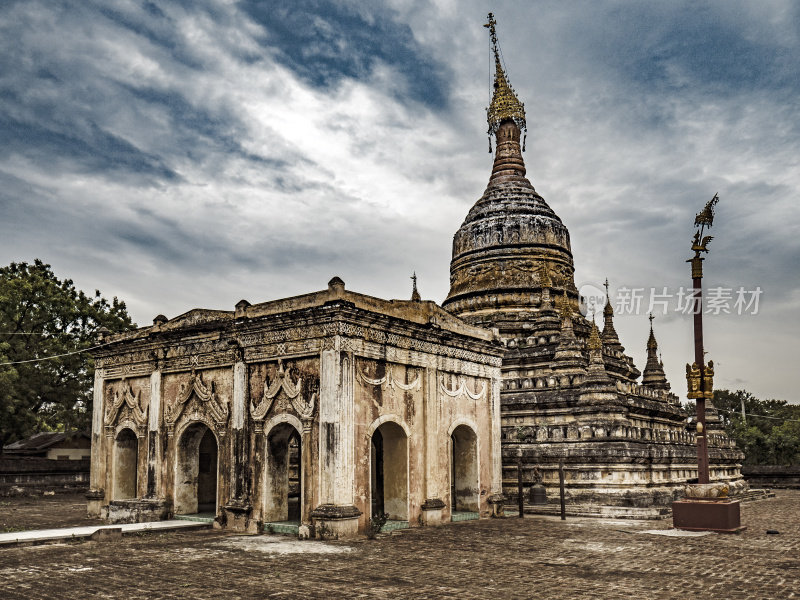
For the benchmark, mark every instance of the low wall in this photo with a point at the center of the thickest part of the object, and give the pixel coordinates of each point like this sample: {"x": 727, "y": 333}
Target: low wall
{"x": 775, "y": 476}
{"x": 137, "y": 511}
{"x": 37, "y": 475}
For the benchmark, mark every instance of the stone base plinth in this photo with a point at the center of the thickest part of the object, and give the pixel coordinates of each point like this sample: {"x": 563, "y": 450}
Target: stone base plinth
{"x": 707, "y": 515}
{"x": 432, "y": 512}
{"x": 139, "y": 510}
{"x": 236, "y": 517}
{"x": 335, "y": 522}
{"x": 497, "y": 505}
{"x": 94, "y": 503}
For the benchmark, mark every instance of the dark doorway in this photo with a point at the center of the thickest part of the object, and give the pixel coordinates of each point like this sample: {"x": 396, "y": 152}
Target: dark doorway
{"x": 283, "y": 478}
{"x": 196, "y": 471}
{"x": 207, "y": 474}
{"x": 376, "y": 477}
{"x": 464, "y": 488}
{"x": 389, "y": 472}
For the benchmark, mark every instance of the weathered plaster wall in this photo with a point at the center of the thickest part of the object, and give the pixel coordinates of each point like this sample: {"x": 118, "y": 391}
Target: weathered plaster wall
{"x": 325, "y": 377}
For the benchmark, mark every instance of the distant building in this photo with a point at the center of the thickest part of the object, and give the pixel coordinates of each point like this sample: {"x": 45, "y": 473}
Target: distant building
{"x": 75, "y": 445}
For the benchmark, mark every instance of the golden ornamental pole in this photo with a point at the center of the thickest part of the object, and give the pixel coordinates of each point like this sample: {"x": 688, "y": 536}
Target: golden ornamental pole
{"x": 699, "y": 377}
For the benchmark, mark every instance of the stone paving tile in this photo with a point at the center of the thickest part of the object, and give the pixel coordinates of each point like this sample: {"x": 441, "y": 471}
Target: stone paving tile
{"x": 539, "y": 557}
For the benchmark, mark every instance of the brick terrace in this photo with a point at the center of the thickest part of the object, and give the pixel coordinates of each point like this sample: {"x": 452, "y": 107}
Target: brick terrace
{"x": 509, "y": 558}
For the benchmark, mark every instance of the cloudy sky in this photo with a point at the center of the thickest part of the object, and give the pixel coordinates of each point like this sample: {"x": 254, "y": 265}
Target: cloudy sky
{"x": 191, "y": 154}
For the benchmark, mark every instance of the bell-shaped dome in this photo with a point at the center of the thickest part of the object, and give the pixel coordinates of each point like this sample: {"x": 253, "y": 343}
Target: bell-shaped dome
{"x": 510, "y": 246}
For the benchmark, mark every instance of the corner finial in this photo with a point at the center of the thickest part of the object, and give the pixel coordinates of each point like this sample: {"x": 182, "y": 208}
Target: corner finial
{"x": 415, "y": 297}
{"x": 505, "y": 105}
{"x": 608, "y": 310}
{"x": 651, "y": 341}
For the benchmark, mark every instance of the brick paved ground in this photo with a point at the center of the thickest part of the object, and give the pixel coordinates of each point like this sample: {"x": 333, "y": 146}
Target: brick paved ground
{"x": 538, "y": 557}
{"x": 43, "y": 512}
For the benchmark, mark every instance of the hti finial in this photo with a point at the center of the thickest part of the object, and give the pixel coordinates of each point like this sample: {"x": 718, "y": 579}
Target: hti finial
{"x": 505, "y": 105}
{"x": 492, "y": 32}
{"x": 706, "y": 216}
{"x": 651, "y": 317}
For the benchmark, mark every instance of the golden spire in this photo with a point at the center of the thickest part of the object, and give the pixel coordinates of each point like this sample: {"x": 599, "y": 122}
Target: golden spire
{"x": 594, "y": 342}
{"x": 505, "y": 104}
{"x": 564, "y": 307}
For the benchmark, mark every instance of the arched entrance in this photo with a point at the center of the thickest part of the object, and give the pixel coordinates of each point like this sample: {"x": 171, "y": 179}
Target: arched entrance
{"x": 464, "y": 485}
{"x": 126, "y": 459}
{"x": 389, "y": 472}
{"x": 196, "y": 471}
{"x": 283, "y": 480}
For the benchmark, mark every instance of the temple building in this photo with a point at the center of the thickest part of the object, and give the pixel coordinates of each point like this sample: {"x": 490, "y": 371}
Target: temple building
{"x": 325, "y": 410}
{"x": 321, "y": 410}
{"x": 570, "y": 393}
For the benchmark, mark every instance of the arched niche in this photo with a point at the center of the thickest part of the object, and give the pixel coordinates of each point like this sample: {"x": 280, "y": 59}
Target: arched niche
{"x": 196, "y": 471}
{"x": 126, "y": 461}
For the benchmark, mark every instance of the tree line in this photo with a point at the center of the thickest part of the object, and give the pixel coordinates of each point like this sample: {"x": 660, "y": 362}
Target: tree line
{"x": 46, "y": 327}
{"x": 769, "y": 430}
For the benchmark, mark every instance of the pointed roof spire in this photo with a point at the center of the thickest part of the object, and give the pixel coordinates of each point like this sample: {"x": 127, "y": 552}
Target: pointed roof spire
{"x": 652, "y": 345}
{"x": 505, "y": 105}
{"x": 610, "y": 336}
{"x": 654, "y": 376}
{"x": 415, "y": 297}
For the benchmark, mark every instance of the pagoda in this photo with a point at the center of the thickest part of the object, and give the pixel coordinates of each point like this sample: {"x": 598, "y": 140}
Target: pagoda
{"x": 570, "y": 394}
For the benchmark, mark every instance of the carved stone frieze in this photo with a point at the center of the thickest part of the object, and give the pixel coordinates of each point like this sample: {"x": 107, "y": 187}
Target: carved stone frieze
{"x": 284, "y": 394}
{"x": 206, "y": 399}
{"x": 122, "y": 397}
{"x": 461, "y": 389}
{"x": 388, "y": 380}
{"x": 185, "y": 362}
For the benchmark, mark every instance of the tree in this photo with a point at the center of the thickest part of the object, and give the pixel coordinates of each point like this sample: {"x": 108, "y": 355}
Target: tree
{"x": 768, "y": 434}
{"x": 46, "y": 326}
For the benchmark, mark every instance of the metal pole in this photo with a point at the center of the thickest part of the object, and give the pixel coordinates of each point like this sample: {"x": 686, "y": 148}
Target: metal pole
{"x": 702, "y": 434}
{"x": 561, "y": 489}
{"x": 520, "y": 499}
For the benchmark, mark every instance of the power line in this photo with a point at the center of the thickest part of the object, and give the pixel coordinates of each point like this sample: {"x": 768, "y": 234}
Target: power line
{"x": 738, "y": 412}
{"x": 33, "y": 360}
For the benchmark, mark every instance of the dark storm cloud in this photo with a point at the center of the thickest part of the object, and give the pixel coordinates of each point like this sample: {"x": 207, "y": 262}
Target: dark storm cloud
{"x": 327, "y": 41}
{"x": 92, "y": 149}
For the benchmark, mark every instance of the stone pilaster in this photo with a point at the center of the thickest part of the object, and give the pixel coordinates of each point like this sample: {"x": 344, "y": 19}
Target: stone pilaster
{"x": 153, "y": 430}
{"x": 238, "y": 510}
{"x": 306, "y": 469}
{"x": 494, "y": 406}
{"x": 96, "y": 495}
{"x": 433, "y": 505}
{"x": 336, "y": 511}
{"x": 238, "y": 410}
